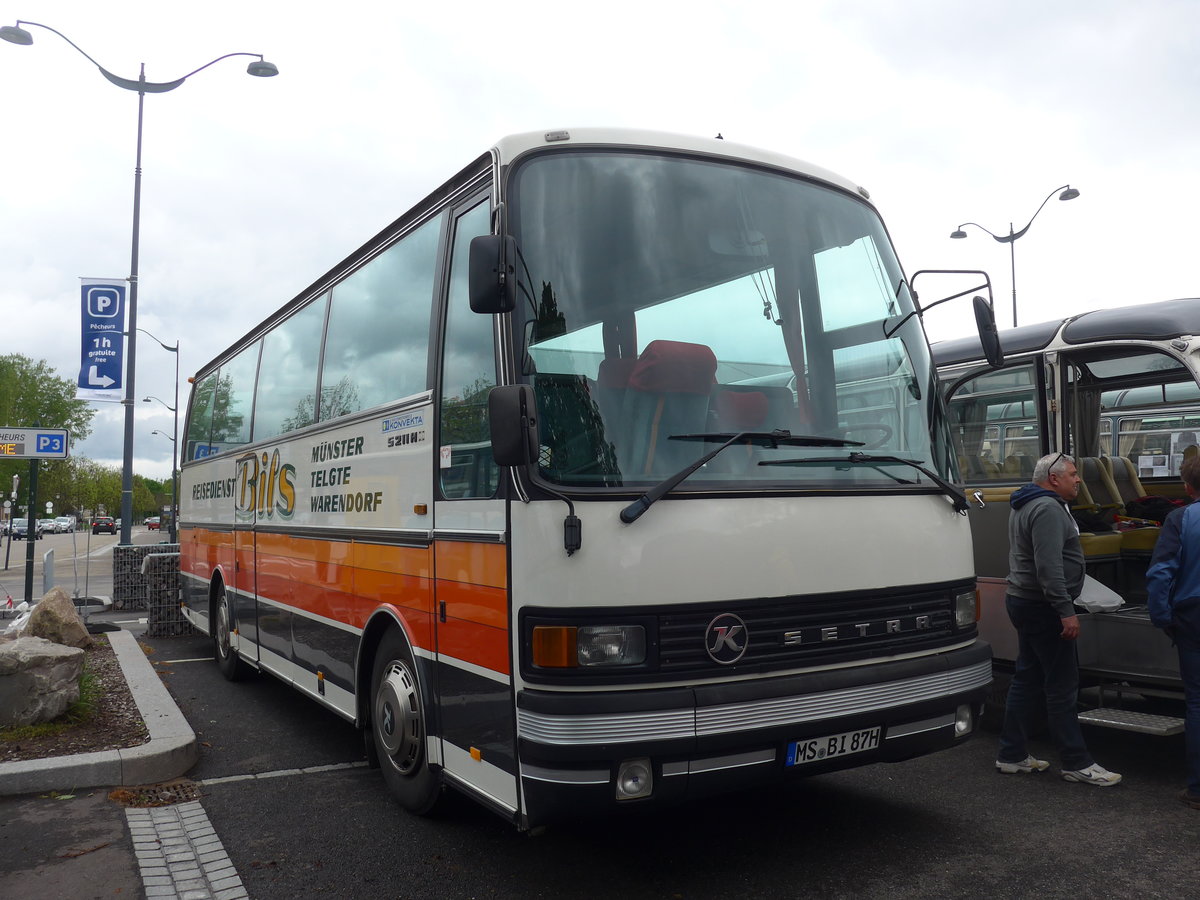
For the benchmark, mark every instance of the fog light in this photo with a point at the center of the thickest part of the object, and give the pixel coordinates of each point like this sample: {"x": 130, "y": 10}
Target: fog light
{"x": 635, "y": 779}
{"x": 964, "y": 721}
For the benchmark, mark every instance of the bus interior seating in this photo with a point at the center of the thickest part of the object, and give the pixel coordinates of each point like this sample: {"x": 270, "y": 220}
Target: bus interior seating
{"x": 1106, "y": 498}
{"x": 1124, "y": 475}
{"x": 612, "y": 380}
{"x": 740, "y": 407}
{"x": 667, "y": 394}
{"x": 571, "y": 426}
{"x": 1095, "y": 512}
{"x": 1137, "y": 544}
{"x": 978, "y": 468}
{"x": 1019, "y": 465}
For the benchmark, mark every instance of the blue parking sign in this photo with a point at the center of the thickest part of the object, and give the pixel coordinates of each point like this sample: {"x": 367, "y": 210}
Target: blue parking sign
{"x": 102, "y": 344}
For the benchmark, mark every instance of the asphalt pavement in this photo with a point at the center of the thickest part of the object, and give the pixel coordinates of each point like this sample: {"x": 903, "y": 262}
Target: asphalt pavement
{"x": 61, "y": 834}
{"x": 282, "y": 805}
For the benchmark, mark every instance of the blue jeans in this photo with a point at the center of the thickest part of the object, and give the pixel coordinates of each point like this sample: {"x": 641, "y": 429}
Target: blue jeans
{"x": 1187, "y": 641}
{"x": 1046, "y": 667}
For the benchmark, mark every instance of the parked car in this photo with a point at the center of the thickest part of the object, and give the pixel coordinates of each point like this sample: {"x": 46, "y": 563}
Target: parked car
{"x": 20, "y": 529}
{"x": 154, "y": 523}
{"x": 104, "y": 524}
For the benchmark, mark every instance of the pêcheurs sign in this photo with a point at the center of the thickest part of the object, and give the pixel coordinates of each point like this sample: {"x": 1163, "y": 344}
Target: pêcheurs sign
{"x": 102, "y": 339}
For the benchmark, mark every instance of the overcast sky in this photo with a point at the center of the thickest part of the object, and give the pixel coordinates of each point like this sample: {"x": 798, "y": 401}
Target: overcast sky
{"x": 945, "y": 111}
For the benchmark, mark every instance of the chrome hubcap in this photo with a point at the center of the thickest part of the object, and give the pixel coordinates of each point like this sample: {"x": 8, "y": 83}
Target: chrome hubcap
{"x": 398, "y": 717}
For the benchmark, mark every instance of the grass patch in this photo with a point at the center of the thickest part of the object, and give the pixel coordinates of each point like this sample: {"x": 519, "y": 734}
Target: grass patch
{"x": 90, "y": 691}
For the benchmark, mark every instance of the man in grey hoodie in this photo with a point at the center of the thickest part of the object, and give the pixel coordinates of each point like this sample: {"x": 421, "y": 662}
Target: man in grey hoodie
{"x": 1045, "y": 575}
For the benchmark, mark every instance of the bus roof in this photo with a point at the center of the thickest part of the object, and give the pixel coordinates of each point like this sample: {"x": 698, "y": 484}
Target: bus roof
{"x": 510, "y": 148}
{"x": 1148, "y": 321}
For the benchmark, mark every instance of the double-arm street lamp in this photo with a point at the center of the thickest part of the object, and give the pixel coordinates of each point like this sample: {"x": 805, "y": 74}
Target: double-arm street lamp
{"x": 1068, "y": 193}
{"x": 174, "y": 439}
{"x": 260, "y": 68}
{"x": 174, "y": 409}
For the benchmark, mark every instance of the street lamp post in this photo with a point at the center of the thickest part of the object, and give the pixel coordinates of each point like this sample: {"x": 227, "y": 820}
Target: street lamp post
{"x": 15, "y": 34}
{"x": 1068, "y": 193}
{"x": 173, "y": 532}
{"x": 174, "y": 439}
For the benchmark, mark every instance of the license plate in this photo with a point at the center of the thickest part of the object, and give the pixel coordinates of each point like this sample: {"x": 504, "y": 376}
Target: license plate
{"x": 813, "y": 750}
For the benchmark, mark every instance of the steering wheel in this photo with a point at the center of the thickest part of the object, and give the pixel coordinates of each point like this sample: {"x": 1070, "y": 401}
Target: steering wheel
{"x": 885, "y": 432}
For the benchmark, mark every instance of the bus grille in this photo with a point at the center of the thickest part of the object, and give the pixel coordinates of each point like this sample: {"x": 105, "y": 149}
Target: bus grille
{"x": 805, "y": 631}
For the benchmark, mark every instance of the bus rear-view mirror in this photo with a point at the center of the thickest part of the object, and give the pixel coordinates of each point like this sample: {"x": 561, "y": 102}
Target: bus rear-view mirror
{"x": 985, "y": 321}
{"x": 512, "y": 418}
{"x": 493, "y": 286}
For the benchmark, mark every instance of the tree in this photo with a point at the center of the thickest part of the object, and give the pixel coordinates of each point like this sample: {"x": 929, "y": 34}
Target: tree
{"x": 30, "y": 392}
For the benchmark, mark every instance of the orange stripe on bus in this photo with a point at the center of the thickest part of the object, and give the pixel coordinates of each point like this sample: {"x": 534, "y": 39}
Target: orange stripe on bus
{"x": 484, "y": 605}
{"x": 345, "y": 581}
{"x": 485, "y": 564}
{"x": 474, "y": 643}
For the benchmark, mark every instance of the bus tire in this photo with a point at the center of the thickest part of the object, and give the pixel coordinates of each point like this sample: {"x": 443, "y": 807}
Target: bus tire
{"x": 228, "y": 661}
{"x": 398, "y": 729}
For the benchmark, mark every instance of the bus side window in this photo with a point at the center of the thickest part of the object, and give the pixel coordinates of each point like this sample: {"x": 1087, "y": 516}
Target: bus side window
{"x": 994, "y": 425}
{"x": 468, "y": 375}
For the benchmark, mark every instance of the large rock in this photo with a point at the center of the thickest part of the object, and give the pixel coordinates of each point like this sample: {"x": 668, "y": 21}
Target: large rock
{"x": 56, "y": 619}
{"x": 39, "y": 679}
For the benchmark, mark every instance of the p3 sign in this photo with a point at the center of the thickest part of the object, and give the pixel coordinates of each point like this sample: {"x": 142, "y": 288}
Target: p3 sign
{"x": 33, "y": 443}
{"x": 50, "y": 444}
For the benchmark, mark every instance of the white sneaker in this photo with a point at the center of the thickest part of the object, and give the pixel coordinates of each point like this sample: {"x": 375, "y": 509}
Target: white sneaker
{"x": 1093, "y": 774}
{"x": 1028, "y": 764}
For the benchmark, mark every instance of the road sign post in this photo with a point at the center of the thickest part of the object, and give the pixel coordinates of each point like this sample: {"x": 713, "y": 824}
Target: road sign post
{"x": 33, "y": 444}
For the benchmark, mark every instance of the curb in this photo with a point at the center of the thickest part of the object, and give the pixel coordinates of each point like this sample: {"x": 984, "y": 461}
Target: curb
{"x": 170, "y": 752}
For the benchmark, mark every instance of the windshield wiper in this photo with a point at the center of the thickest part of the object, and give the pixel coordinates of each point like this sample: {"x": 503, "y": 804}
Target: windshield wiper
{"x": 772, "y": 439}
{"x": 959, "y": 498}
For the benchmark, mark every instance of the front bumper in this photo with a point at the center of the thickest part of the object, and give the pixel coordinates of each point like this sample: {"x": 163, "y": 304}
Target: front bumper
{"x": 708, "y": 739}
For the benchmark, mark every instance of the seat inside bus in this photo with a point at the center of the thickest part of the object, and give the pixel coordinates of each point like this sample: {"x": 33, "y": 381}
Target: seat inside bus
{"x": 1124, "y": 475}
{"x": 1106, "y": 498}
{"x": 667, "y": 393}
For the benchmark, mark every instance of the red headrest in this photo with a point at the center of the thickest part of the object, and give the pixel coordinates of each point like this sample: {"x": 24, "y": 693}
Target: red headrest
{"x": 741, "y": 410}
{"x": 615, "y": 371}
{"x": 676, "y": 367}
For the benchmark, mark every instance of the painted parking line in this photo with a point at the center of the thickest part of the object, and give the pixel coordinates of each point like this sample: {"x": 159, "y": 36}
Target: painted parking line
{"x": 174, "y": 662}
{"x": 280, "y": 773}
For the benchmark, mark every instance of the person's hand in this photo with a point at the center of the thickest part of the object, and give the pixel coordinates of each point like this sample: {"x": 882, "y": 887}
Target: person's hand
{"x": 1070, "y": 628}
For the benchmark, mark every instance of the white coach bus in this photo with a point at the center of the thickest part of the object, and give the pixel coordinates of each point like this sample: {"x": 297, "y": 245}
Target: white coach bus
{"x": 612, "y": 473}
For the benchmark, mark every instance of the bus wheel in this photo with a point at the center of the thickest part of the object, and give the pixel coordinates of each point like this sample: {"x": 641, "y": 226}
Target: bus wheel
{"x": 228, "y": 661}
{"x": 398, "y": 728}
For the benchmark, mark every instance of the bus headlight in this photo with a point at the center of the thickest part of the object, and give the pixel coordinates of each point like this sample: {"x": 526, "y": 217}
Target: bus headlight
{"x": 965, "y": 609}
{"x": 588, "y": 646}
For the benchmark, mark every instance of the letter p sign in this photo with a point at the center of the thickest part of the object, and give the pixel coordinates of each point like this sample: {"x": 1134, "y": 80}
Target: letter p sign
{"x": 103, "y": 302}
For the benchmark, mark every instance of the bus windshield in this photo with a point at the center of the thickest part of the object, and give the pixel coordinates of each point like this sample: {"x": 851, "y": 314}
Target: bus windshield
{"x": 662, "y": 296}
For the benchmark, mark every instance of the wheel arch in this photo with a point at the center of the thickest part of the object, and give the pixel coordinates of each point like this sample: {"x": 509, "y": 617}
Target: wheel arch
{"x": 216, "y": 582}
{"x": 380, "y": 623}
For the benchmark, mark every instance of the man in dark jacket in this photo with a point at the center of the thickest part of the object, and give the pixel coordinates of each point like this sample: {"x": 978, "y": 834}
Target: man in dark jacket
{"x": 1173, "y": 583}
{"x": 1045, "y": 575}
